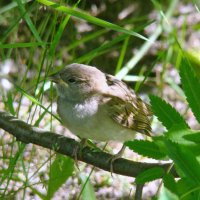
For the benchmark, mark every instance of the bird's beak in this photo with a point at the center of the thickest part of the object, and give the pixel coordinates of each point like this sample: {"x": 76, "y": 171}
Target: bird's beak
{"x": 55, "y": 78}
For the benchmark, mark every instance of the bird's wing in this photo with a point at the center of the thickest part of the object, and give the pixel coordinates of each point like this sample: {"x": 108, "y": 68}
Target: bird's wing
{"x": 126, "y": 108}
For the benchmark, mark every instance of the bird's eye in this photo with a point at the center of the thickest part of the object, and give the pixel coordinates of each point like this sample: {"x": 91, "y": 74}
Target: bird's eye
{"x": 71, "y": 80}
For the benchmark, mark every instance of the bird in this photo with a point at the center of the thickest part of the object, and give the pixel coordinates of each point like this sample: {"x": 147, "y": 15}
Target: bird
{"x": 98, "y": 106}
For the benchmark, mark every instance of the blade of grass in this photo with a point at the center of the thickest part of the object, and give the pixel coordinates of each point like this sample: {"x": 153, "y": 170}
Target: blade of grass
{"x": 94, "y": 53}
{"x": 104, "y": 48}
{"x": 10, "y": 170}
{"x": 22, "y": 45}
{"x": 132, "y": 63}
{"x": 28, "y": 21}
{"x": 146, "y": 46}
{"x": 14, "y": 24}
{"x": 10, "y": 103}
{"x": 86, "y": 39}
{"x": 59, "y": 32}
{"x": 10, "y": 6}
{"x": 84, "y": 16}
{"x": 122, "y": 54}
{"x": 88, "y": 192}
{"x": 35, "y": 101}
{"x": 148, "y": 72}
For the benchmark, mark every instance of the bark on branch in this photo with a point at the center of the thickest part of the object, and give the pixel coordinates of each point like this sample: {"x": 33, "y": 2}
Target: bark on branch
{"x": 28, "y": 134}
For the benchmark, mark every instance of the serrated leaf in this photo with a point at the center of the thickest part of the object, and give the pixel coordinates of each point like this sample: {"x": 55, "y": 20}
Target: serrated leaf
{"x": 177, "y": 134}
{"x": 61, "y": 169}
{"x": 193, "y": 57}
{"x": 191, "y": 87}
{"x": 146, "y": 148}
{"x": 166, "y": 113}
{"x": 150, "y": 175}
{"x": 185, "y": 160}
{"x": 170, "y": 183}
{"x": 194, "y": 137}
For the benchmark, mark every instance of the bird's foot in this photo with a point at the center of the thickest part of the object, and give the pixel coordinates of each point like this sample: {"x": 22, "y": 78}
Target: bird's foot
{"x": 77, "y": 152}
{"x": 115, "y": 157}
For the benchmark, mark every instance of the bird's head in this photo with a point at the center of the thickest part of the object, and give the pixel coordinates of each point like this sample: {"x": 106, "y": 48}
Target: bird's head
{"x": 77, "y": 82}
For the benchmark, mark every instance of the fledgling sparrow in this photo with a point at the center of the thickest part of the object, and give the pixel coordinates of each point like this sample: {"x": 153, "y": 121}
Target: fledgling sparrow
{"x": 98, "y": 106}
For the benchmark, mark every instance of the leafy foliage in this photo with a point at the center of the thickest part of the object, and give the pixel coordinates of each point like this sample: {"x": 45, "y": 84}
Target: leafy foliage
{"x": 187, "y": 189}
{"x": 178, "y": 133}
{"x": 170, "y": 183}
{"x": 191, "y": 86}
{"x": 185, "y": 160}
{"x": 43, "y": 35}
{"x": 194, "y": 137}
{"x": 166, "y": 113}
{"x": 150, "y": 175}
{"x": 167, "y": 194}
{"x": 61, "y": 169}
{"x": 179, "y": 140}
{"x": 146, "y": 148}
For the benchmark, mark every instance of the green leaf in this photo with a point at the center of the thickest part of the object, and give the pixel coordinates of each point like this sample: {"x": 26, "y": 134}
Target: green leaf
{"x": 167, "y": 195}
{"x": 88, "y": 191}
{"x": 37, "y": 192}
{"x": 170, "y": 183}
{"x": 166, "y": 113}
{"x": 61, "y": 169}
{"x": 191, "y": 86}
{"x": 194, "y": 60}
{"x": 185, "y": 160}
{"x": 187, "y": 189}
{"x": 146, "y": 148}
{"x": 177, "y": 134}
{"x": 195, "y": 137}
{"x": 150, "y": 175}
{"x": 84, "y": 16}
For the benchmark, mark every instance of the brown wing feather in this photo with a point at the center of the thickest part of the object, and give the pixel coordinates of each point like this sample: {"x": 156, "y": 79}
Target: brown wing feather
{"x": 126, "y": 108}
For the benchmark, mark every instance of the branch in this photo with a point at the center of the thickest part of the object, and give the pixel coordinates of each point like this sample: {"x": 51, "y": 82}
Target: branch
{"x": 63, "y": 145}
